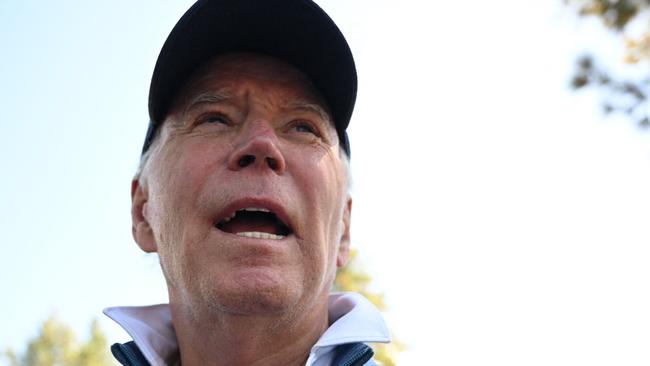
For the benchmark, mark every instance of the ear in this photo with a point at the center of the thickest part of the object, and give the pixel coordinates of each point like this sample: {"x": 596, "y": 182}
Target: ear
{"x": 142, "y": 232}
{"x": 344, "y": 244}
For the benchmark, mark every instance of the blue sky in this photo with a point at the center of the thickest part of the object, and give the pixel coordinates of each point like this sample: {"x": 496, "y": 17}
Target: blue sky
{"x": 502, "y": 215}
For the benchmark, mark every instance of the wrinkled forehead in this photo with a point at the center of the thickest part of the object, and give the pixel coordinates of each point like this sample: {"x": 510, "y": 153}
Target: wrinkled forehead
{"x": 229, "y": 71}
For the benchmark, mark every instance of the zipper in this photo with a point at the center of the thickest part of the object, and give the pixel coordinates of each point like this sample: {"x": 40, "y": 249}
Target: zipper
{"x": 358, "y": 355}
{"x": 128, "y": 354}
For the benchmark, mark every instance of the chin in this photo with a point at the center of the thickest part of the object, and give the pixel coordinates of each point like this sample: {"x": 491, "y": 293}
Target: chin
{"x": 254, "y": 294}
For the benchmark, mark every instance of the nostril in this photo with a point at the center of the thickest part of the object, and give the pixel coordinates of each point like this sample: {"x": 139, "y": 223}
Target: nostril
{"x": 273, "y": 164}
{"x": 246, "y": 160}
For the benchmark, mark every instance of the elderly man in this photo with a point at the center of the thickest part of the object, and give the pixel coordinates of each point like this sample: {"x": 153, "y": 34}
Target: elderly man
{"x": 243, "y": 193}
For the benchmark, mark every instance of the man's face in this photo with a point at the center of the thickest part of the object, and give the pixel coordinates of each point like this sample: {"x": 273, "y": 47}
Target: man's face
{"x": 244, "y": 195}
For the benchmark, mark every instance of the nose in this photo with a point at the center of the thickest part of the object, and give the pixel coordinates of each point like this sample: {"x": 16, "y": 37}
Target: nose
{"x": 257, "y": 148}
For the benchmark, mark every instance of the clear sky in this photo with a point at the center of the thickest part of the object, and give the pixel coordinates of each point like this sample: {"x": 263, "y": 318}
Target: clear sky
{"x": 505, "y": 219}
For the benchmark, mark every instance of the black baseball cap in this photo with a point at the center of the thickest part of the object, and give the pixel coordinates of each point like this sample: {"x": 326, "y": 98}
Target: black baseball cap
{"x": 298, "y": 32}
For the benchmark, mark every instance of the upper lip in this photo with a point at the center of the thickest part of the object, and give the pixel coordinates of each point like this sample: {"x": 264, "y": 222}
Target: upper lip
{"x": 252, "y": 202}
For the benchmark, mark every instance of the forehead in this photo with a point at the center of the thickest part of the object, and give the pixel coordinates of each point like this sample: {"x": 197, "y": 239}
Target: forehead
{"x": 233, "y": 72}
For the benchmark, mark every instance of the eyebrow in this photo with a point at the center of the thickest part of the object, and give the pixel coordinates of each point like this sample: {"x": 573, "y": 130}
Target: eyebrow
{"x": 225, "y": 94}
{"x": 310, "y": 107}
{"x": 208, "y": 97}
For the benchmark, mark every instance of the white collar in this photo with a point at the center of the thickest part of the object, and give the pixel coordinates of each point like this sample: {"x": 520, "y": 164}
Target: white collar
{"x": 353, "y": 319}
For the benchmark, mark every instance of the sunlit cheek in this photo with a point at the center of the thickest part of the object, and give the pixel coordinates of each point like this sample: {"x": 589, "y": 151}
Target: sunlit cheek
{"x": 167, "y": 194}
{"x": 195, "y": 164}
{"x": 330, "y": 197}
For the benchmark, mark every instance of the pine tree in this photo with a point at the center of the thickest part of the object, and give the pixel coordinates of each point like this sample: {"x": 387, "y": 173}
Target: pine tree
{"x": 56, "y": 345}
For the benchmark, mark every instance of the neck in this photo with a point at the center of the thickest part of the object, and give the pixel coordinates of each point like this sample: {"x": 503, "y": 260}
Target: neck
{"x": 217, "y": 338}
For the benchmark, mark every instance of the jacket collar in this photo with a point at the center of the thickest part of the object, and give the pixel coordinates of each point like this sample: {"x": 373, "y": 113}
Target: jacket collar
{"x": 352, "y": 319}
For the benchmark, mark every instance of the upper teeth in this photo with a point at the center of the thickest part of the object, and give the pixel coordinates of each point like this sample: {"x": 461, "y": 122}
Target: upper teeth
{"x": 228, "y": 218}
{"x": 255, "y": 209}
{"x": 260, "y": 235}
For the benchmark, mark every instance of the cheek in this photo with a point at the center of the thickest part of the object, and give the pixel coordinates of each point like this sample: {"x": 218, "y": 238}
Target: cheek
{"x": 323, "y": 186}
{"x": 320, "y": 172}
{"x": 330, "y": 185}
{"x": 185, "y": 172}
{"x": 178, "y": 177}
{"x": 179, "y": 218}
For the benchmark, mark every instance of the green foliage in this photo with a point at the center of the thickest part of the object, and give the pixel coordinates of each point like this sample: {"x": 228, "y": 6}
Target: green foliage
{"x": 628, "y": 96}
{"x": 615, "y": 14}
{"x": 94, "y": 351}
{"x": 56, "y": 345}
{"x": 353, "y": 278}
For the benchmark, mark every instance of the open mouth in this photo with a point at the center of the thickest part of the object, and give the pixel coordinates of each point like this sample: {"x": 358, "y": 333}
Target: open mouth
{"x": 254, "y": 222}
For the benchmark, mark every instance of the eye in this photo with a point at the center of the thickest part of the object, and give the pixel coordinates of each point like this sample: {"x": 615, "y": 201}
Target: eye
{"x": 214, "y": 118}
{"x": 305, "y": 127}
